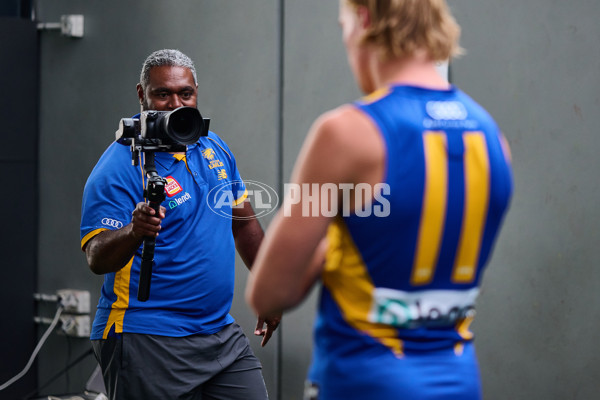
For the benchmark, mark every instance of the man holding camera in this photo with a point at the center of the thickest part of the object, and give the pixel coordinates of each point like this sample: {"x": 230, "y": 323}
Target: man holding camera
{"x": 180, "y": 343}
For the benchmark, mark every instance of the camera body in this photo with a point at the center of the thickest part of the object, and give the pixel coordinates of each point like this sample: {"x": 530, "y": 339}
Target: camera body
{"x": 163, "y": 130}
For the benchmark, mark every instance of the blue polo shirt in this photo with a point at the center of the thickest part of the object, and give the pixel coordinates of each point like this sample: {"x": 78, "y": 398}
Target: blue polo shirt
{"x": 193, "y": 273}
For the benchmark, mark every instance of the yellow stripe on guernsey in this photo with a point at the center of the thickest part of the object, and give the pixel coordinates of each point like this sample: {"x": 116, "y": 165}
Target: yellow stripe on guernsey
{"x": 433, "y": 214}
{"x": 477, "y": 193}
{"x": 376, "y": 95}
{"x": 121, "y": 290}
{"x": 463, "y": 330}
{"x": 90, "y": 235}
{"x": 346, "y": 276}
{"x": 242, "y": 198}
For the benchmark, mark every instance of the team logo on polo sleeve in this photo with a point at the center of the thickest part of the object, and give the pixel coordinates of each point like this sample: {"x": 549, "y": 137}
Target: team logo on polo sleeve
{"x": 173, "y": 187}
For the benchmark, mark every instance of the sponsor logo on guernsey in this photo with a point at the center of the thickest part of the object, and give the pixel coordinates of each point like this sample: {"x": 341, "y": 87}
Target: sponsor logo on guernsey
{"x": 428, "y": 308}
{"x": 173, "y": 187}
{"x": 179, "y": 200}
{"x": 447, "y": 114}
{"x": 449, "y": 110}
{"x": 113, "y": 223}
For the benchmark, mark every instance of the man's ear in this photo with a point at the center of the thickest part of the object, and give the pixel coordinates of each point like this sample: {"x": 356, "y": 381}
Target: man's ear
{"x": 364, "y": 16}
{"x": 140, "y": 92}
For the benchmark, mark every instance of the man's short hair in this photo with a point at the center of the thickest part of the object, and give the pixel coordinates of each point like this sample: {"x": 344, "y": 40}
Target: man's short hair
{"x": 168, "y": 57}
{"x": 401, "y": 27}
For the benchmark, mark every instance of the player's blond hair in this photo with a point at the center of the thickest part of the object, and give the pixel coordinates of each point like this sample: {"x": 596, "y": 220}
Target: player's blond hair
{"x": 400, "y": 27}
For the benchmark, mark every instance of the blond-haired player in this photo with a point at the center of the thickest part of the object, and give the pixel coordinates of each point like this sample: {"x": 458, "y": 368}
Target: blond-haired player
{"x": 402, "y": 270}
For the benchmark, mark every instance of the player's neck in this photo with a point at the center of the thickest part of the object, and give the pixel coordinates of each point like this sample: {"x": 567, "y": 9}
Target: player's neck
{"x": 418, "y": 70}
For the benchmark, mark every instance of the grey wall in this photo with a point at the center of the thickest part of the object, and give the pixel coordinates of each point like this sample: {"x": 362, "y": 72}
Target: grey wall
{"x": 533, "y": 64}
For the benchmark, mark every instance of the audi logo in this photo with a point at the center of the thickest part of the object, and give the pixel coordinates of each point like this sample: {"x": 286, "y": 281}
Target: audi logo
{"x": 446, "y": 110}
{"x": 112, "y": 223}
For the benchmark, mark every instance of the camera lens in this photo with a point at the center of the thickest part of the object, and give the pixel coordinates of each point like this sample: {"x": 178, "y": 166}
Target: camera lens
{"x": 184, "y": 125}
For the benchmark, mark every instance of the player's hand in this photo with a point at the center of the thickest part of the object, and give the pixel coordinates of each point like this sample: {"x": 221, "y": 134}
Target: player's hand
{"x": 145, "y": 222}
{"x": 271, "y": 324}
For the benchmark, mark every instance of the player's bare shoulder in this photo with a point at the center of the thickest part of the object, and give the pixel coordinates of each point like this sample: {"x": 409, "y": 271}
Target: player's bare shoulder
{"x": 353, "y": 135}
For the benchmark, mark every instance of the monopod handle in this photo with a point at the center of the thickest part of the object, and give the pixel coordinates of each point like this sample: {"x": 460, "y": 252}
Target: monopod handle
{"x": 147, "y": 262}
{"x": 155, "y": 194}
{"x": 146, "y": 269}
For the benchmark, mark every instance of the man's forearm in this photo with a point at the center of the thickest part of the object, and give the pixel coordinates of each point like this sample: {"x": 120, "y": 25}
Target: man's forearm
{"x": 247, "y": 232}
{"x": 109, "y": 251}
{"x": 248, "y": 236}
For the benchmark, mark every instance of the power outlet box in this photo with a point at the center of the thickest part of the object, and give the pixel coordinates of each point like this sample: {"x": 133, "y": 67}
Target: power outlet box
{"x": 72, "y": 25}
{"x": 75, "y": 325}
{"x": 74, "y": 301}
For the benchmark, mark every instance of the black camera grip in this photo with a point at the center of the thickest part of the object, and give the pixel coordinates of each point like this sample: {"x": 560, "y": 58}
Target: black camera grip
{"x": 146, "y": 269}
{"x": 155, "y": 194}
{"x": 147, "y": 262}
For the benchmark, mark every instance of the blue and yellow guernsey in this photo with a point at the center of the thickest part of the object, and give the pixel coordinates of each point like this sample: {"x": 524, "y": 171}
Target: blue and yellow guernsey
{"x": 407, "y": 282}
{"x": 193, "y": 274}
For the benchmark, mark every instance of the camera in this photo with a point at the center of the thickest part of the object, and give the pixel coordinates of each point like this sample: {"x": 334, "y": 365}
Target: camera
{"x": 163, "y": 130}
{"x": 156, "y": 131}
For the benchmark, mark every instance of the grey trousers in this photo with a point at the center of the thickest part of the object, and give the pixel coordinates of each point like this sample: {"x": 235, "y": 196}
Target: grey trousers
{"x": 221, "y": 366}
